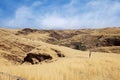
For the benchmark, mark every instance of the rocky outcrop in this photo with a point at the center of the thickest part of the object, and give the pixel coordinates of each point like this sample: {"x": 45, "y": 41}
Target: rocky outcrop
{"x": 111, "y": 41}
{"x": 39, "y": 57}
{"x": 59, "y": 54}
{"x": 26, "y": 31}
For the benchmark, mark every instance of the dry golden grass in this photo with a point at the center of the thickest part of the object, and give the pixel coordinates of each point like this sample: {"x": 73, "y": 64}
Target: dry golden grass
{"x": 110, "y": 49}
{"x": 77, "y": 67}
{"x": 37, "y": 36}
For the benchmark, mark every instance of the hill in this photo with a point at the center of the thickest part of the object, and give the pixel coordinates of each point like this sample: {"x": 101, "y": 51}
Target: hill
{"x": 14, "y": 48}
{"x": 84, "y": 39}
{"x": 56, "y": 54}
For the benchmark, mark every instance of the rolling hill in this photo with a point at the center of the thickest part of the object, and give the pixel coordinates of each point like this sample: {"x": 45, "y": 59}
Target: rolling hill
{"x": 60, "y": 54}
{"x": 84, "y": 39}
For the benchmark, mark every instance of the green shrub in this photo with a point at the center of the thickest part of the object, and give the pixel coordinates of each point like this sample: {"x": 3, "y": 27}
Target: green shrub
{"x": 80, "y": 46}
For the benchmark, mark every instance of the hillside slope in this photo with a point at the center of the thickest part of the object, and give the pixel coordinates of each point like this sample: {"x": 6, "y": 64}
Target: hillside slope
{"x": 90, "y": 39}
{"x": 55, "y": 62}
{"x": 14, "y": 48}
{"x": 76, "y": 67}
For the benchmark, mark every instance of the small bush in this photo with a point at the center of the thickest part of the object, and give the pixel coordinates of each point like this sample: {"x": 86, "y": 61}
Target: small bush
{"x": 80, "y": 46}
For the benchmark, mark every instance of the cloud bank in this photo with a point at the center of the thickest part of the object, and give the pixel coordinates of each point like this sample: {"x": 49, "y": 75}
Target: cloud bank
{"x": 74, "y": 14}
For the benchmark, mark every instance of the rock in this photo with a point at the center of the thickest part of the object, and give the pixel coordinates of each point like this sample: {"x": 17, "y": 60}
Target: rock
{"x": 60, "y": 55}
{"x": 35, "y": 58}
{"x": 26, "y": 31}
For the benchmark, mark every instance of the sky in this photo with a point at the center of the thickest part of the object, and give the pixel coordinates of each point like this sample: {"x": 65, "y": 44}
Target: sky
{"x": 59, "y": 14}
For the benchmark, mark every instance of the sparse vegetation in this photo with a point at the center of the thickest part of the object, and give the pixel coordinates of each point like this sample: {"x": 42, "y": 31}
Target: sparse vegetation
{"x": 80, "y": 46}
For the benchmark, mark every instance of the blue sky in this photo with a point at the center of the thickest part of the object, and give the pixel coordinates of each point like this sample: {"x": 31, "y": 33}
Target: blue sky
{"x": 59, "y": 14}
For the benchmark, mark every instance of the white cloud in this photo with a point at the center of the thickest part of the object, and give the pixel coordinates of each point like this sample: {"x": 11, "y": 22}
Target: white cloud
{"x": 101, "y": 15}
{"x": 53, "y": 21}
{"x": 23, "y": 18}
{"x": 37, "y": 3}
{"x": 96, "y": 14}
